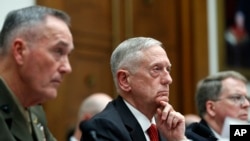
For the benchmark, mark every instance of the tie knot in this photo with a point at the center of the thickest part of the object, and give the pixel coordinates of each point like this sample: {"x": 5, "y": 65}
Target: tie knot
{"x": 153, "y": 133}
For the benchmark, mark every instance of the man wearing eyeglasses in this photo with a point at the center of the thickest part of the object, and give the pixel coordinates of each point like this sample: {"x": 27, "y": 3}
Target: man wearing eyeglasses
{"x": 218, "y": 96}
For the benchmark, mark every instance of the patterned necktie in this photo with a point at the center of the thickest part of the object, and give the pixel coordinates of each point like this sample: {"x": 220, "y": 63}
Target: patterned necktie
{"x": 153, "y": 133}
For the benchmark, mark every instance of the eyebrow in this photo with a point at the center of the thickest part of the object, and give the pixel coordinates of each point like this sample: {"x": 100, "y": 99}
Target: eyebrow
{"x": 62, "y": 43}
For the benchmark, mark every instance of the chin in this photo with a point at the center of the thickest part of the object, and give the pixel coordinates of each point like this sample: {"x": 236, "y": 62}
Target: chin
{"x": 52, "y": 94}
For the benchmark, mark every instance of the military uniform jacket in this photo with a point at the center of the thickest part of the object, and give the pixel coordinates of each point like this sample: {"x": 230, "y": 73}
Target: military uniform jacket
{"x": 14, "y": 125}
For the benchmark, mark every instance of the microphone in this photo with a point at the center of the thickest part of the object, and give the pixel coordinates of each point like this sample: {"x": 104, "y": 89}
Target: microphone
{"x": 90, "y": 135}
{"x": 93, "y": 135}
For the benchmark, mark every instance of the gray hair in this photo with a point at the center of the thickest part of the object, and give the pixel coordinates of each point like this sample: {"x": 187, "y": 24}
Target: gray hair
{"x": 22, "y": 22}
{"x": 128, "y": 54}
{"x": 210, "y": 88}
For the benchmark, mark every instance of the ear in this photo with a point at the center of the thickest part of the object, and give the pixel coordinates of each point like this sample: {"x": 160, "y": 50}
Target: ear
{"x": 210, "y": 107}
{"x": 123, "y": 80}
{"x": 19, "y": 50}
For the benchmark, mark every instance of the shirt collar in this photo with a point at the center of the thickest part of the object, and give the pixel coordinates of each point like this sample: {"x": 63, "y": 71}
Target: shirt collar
{"x": 72, "y": 138}
{"x": 140, "y": 117}
{"x": 218, "y": 136}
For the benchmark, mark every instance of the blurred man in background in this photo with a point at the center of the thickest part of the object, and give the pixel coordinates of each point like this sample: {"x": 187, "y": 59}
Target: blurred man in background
{"x": 90, "y": 106}
{"x": 219, "y": 96}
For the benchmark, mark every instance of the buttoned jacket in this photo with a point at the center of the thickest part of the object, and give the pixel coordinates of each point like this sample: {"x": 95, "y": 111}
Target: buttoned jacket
{"x": 14, "y": 125}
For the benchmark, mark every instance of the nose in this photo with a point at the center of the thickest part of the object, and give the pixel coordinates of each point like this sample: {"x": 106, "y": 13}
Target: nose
{"x": 65, "y": 66}
{"x": 167, "y": 79}
{"x": 246, "y": 102}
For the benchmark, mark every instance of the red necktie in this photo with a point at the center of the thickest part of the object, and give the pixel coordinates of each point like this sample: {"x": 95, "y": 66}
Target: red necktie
{"x": 153, "y": 133}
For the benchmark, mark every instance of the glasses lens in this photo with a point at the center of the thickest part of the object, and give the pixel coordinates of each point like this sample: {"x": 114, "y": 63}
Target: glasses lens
{"x": 239, "y": 99}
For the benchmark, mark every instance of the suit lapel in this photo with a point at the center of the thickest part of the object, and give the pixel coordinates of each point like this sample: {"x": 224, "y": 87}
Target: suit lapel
{"x": 204, "y": 126}
{"x": 20, "y": 130}
{"x": 14, "y": 118}
{"x": 133, "y": 127}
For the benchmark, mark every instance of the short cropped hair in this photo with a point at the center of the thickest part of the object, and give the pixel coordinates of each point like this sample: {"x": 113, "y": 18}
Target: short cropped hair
{"x": 22, "y": 22}
{"x": 128, "y": 55}
{"x": 210, "y": 88}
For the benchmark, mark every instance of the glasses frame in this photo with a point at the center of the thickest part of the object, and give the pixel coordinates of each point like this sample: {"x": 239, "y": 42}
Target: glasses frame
{"x": 237, "y": 99}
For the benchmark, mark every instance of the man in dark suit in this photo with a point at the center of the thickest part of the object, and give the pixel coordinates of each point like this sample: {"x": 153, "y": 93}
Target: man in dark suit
{"x": 141, "y": 72}
{"x": 218, "y": 96}
{"x": 34, "y": 46}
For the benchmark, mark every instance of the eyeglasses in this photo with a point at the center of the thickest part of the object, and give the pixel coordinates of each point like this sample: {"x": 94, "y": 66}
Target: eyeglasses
{"x": 237, "y": 99}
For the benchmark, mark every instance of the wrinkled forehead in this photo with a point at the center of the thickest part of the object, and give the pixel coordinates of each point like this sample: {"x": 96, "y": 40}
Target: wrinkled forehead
{"x": 233, "y": 85}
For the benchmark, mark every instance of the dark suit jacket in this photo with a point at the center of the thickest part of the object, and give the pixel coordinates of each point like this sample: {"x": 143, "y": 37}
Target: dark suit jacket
{"x": 200, "y": 132}
{"x": 13, "y": 124}
{"x": 114, "y": 123}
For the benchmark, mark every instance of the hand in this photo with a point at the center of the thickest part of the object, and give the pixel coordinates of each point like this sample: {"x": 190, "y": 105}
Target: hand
{"x": 170, "y": 123}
